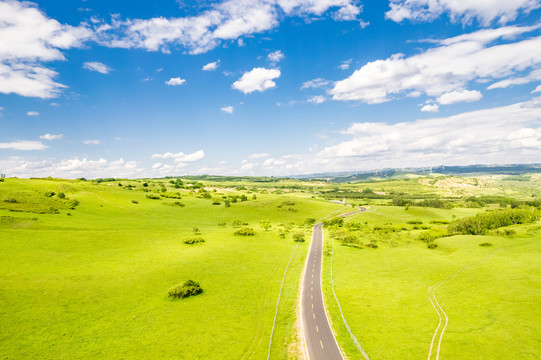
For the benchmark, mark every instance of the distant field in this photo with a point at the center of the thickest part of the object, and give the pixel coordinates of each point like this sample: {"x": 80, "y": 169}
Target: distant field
{"x": 493, "y": 308}
{"x": 94, "y": 284}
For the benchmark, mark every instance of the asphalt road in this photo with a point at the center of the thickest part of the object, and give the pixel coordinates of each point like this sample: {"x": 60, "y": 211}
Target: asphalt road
{"x": 319, "y": 338}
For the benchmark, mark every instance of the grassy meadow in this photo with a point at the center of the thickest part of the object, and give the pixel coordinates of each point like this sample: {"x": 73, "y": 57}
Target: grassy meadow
{"x": 92, "y": 281}
{"x": 86, "y": 267}
{"x": 493, "y": 307}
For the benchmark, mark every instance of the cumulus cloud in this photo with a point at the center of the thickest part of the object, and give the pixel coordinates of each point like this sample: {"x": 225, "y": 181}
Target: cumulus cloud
{"x": 315, "y": 83}
{"x": 275, "y": 57}
{"x": 460, "y": 96}
{"x": 71, "y": 168}
{"x": 51, "y": 137}
{"x": 224, "y": 21}
{"x": 211, "y": 66}
{"x": 181, "y": 157}
{"x": 32, "y": 113}
{"x": 91, "y": 142}
{"x": 257, "y": 79}
{"x": 537, "y": 89}
{"x": 228, "y": 109}
{"x": 97, "y": 66}
{"x": 24, "y": 145}
{"x": 430, "y": 108}
{"x": 485, "y": 11}
{"x": 345, "y": 64}
{"x": 318, "y": 99}
{"x": 177, "y": 81}
{"x": 258, "y": 156}
{"x": 28, "y": 38}
{"x": 507, "y": 134}
{"x": 483, "y": 56}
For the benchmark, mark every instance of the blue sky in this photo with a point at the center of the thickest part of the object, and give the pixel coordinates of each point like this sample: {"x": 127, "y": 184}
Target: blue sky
{"x": 266, "y": 87}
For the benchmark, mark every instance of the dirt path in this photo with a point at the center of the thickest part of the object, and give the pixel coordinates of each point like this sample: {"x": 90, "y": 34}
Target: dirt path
{"x": 439, "y": 309}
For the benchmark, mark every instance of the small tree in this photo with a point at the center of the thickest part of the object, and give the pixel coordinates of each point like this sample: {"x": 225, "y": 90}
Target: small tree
{"x": 298, "y": 236}
{"x": 265, "y": 224}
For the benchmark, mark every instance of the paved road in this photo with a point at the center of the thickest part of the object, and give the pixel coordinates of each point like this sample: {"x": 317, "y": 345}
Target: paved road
{"x": 319, "y": 338}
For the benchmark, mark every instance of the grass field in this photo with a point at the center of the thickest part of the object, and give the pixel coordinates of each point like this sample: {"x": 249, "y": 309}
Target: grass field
{"x": 493, "y": 308}
{"x": 94, "y": 284}
{"x": 86, "y": 267}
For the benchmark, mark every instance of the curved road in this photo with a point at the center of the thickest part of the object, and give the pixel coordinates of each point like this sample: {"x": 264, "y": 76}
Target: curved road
{"x": 319, "y": 338}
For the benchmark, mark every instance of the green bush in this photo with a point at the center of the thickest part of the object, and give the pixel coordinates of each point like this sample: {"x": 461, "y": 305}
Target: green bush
{"x": 441, "y": 222}
{"x": 245, "y": 231}
{"x": 185, "y": 289}
{"x": 415, "y": 222}
{"x": 485, "y": 244}
{"x": 11, "y": 201}
{"x": 216, "y": 203}
{"x": 433, "y": 234}
{"x": 61, "y": 195}
{"x": 298, "y": 236}
{"x": 153, "y": 197}
{"x": 194, "y": 240}
{"x": 49, "y": 194}
{"x": 135, "y": 202}
{"x": 432, "y": 246}
{"x": 178, "y": 203}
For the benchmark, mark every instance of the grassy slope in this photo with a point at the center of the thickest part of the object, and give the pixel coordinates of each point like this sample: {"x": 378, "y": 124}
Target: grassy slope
{"x": 94, "y": 284}
{"x": 493, "y": 308}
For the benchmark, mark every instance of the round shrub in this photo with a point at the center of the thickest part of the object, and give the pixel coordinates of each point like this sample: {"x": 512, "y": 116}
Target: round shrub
{"x": 485, "y": 244}
{"x": 245, "y": 231}
{"x": 185, "y": 289}
{"x": 49, "y": 193}
{"x": 432, "y": 246}
{"x": 61, "y": 195}
{"x": 194, "y": 240}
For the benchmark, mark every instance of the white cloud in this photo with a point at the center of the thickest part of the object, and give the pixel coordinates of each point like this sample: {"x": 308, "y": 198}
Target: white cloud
{"x": 227, "y": 20}
{"x": 97, "y": 66}
{"x": 345, "y": 64}
{"x": 537, "y": 89}
{"x": 51, "y": 137}
{"x": 507, "y": 134}
{"x": 228, "y": 109}
{"x": 275, "y": 57}
{"x": 27, "y": 38}
{"x": 211, "y": 66}
{"x": 460, "y": 96}
{"x": 24, "y": 145}
{"x": 91, "y": 142}
{"x": 430, "y": 108}
{"x": 315, "y": 83}
{"x": 535, "y": 75}
{"x": 318, "y": 99}
{"x": 258, "y": 156}
{"x": 258, "y": 79}
{"x": 485, "y": 11}
{"x": 157, "y": 165}
{"x": 177, "y": 81}
{"x": 448, "y": 67}
{"x": 32, "y": 113}
{"x": 347, "y": 13}
{"x": 71, "y": 168}
{"x": 181, "y": 157}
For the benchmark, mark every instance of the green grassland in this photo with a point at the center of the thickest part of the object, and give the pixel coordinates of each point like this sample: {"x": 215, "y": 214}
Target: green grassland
{"x": 493, "y": 307}
{"x": 91, "y": 281}
{"x": 86, "y": 267}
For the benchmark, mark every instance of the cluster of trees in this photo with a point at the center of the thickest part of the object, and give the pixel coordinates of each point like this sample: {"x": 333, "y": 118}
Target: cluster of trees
{"x": 481, "y": 223}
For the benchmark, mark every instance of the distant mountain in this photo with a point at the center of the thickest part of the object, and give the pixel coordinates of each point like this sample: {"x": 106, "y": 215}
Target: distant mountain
{"x": 507, "y": 169}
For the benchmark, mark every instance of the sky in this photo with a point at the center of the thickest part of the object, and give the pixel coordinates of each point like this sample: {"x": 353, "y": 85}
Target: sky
{"x": 266, "y": 87}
